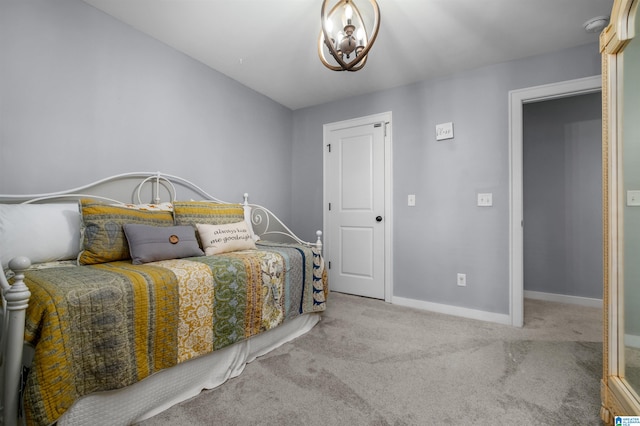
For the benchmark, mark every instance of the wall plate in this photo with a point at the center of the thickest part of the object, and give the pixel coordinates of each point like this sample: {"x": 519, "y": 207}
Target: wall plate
{"x": 485, "y": 200}
{"x": 444, "y": 131}
{"x": 633, "y": 198}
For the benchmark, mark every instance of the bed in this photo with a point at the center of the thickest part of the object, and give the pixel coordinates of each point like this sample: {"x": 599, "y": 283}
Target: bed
{"x": 115, "y": 310}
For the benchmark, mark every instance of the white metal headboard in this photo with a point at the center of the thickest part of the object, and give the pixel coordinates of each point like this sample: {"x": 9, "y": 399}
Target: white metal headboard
{"x": 158, "y": 179}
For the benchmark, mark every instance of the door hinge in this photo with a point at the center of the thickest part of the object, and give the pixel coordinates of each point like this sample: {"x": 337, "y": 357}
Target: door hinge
{"x": 329, "y": 146}
{"x": 329, "y": 206}
{"x": 380, "y": 125}
{"x": 329, "y": 264}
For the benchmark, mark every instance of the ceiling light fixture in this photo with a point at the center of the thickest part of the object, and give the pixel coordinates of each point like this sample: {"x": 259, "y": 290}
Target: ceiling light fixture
{"x": 344, "y": 36}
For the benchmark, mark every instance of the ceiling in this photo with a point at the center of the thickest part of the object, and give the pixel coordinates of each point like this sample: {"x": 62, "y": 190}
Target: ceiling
{"x": 271, "y": 45}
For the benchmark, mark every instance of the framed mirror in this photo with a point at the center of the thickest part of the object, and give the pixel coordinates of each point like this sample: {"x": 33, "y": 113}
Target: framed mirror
{"x": 630, "y": 142}
{"x": 621, "y": 204}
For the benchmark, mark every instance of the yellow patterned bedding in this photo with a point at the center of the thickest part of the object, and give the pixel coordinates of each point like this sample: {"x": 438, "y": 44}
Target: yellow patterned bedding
{"x": 106, "y": 326}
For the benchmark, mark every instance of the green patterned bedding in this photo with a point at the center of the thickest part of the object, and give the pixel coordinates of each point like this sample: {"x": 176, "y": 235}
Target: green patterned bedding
{"x": 107, "y": 326}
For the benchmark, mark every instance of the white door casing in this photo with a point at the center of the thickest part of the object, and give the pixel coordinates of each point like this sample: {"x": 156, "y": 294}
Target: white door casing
{"x": 517, "y": 98}
{"x": 357, "y": 212}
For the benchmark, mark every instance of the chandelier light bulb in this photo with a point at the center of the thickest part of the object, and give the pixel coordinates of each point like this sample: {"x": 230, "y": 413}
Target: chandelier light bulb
{"x": 348, "y": 12}
{"x": 328, "y": 24}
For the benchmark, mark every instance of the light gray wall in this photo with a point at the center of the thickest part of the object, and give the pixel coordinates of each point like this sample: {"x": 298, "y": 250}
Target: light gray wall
{"x": 83, "y": 96}
{"x": 562, "y": 174}
{"x": 445, "y": 233}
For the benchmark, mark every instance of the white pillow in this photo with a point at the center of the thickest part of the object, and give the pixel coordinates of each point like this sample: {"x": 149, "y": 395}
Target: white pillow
{"x": 41, "y": 232}
{"x": 225, "y": 238}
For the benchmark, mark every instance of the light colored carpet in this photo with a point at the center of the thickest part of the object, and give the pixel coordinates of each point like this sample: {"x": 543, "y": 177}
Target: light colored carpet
{"x": 371, "y": 363}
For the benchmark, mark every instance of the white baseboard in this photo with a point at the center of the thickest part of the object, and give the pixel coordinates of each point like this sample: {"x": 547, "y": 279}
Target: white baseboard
{"x": 563, "y": 298}
{"x": 453, "y": 310}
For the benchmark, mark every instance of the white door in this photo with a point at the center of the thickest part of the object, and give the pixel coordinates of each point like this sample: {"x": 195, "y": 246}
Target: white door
{"x": 355, "y": 209}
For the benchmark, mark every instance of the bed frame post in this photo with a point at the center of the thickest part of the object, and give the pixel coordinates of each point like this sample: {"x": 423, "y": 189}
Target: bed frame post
{"x": 17, "y": 300}
{"x": 319, "y": 240}
{"x": 247, "y": 210}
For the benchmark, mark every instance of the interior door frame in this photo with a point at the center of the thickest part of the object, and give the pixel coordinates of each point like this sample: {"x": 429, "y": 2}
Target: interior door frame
{"x": 385, "y": 117}
{"x": 517, "y": 99}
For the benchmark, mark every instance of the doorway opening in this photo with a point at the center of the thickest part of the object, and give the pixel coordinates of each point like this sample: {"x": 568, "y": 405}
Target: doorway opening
{"x": 517, "y": 99}
{"x": 562, "y": 200}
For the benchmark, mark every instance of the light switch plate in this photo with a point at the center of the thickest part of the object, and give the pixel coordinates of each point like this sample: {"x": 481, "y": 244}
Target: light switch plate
{"x": 411, "y": 200}
{"x": 633, "y": 198}
{"x": 485, "y": 199}
{"x": 462, "y": 280}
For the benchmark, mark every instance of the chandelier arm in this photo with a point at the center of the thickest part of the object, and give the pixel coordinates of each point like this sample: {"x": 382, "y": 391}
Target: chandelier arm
{"x": 360, "y": 64}
{"x": 324, "y": 61}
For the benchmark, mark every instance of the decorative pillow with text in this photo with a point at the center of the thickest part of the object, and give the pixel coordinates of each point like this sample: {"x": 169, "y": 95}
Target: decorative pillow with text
{"x": 225, "y": 238}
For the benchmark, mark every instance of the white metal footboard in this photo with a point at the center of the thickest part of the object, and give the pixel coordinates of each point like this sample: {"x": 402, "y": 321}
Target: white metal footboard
{"x": 15, "y": 299}
{"x": 267, "y": 225}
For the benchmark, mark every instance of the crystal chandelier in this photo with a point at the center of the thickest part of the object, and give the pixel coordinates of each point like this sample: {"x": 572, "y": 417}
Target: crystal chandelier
{"x": 344, "y": 37}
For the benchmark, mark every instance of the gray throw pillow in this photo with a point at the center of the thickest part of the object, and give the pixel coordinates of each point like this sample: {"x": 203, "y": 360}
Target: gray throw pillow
{"x": 149, "y": 243}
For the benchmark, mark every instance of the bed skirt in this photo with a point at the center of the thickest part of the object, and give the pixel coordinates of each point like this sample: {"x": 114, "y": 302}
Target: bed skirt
{"x": 171, "y": 386}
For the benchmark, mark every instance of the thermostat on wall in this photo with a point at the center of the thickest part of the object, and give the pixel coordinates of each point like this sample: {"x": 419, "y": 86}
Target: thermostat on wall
{"x": 444, "y": 131}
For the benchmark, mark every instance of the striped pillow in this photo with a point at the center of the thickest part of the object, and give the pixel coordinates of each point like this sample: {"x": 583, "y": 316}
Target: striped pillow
{"x": 207, "y": 212}
{"x": 193, "y": 212}
{"x": 102, "y": 232}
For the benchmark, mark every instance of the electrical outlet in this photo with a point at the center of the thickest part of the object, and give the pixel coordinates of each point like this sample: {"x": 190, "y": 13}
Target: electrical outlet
{"x": 462, "y": 280}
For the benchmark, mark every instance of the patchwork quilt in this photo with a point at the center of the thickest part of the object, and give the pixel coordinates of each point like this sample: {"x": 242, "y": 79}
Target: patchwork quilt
{"x": 106, "y": 326}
